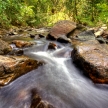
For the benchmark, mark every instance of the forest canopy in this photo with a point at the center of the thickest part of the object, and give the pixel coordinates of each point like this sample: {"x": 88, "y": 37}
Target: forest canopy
{"x": 46, "y": 12}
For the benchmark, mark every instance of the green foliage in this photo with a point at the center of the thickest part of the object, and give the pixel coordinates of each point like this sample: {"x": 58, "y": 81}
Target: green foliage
{"x": 26, "y": 14}
{"x": 103, "y": 10}
{"x": 47, "y": 12}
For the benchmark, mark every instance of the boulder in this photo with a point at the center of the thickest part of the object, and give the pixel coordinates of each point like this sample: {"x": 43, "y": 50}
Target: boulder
{"x": 93, "y": 58}
{"x": 4, "y": 47}
{"x": 12, "y": 67}
{"x": 21, "y": 44}
{"x": 61, "y": 30}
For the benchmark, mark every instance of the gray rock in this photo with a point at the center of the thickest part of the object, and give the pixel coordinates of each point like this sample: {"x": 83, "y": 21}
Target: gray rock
{"x": 86, "y": 35}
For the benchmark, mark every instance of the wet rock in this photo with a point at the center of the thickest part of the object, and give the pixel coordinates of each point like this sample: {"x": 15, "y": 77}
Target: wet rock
{"x": 52, "y": 46}
{"x": 21, "y": 44}
{"x": 50, "y": 37}
{"x": 93, "y": 58}
{"x": 61, "y": 29}
{"x": 12, "y": 67}
{"x": 4, "y": 47}
{"x": 37, "y": 101}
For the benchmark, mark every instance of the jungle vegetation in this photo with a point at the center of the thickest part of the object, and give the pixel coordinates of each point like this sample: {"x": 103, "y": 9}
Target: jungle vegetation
{"x": 40, "y": 13}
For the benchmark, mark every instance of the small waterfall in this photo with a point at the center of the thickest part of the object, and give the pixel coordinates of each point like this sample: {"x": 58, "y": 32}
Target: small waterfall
{"x": 58, "y": 81}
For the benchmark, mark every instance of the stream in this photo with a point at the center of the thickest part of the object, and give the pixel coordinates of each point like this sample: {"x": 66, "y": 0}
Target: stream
{"x": 58, "y": 81}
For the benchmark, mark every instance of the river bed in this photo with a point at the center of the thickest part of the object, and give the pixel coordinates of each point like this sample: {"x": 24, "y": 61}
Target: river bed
{"x": 58, "y": 81}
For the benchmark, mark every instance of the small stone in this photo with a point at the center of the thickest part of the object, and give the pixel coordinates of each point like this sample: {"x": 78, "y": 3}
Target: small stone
{"x": 41, "y": 36}
{"x": 21, "y": 44}
{"x": 52, "y": 46}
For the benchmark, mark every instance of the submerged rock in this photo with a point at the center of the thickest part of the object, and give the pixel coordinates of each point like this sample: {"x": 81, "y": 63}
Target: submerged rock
{"x": 12, "y": 67}
{"x": 93, "y": 58}
{"x": 61, "y": 29}
{"x": 4, "y": 47}
{"x": 37, "y": 102}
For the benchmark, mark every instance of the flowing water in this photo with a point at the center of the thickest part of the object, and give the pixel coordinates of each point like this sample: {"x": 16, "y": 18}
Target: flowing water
{"x": 58, "y": 81}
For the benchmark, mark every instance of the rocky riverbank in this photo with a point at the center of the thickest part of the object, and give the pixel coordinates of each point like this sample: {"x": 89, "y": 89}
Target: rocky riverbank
{"x": 89, "y": 47}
